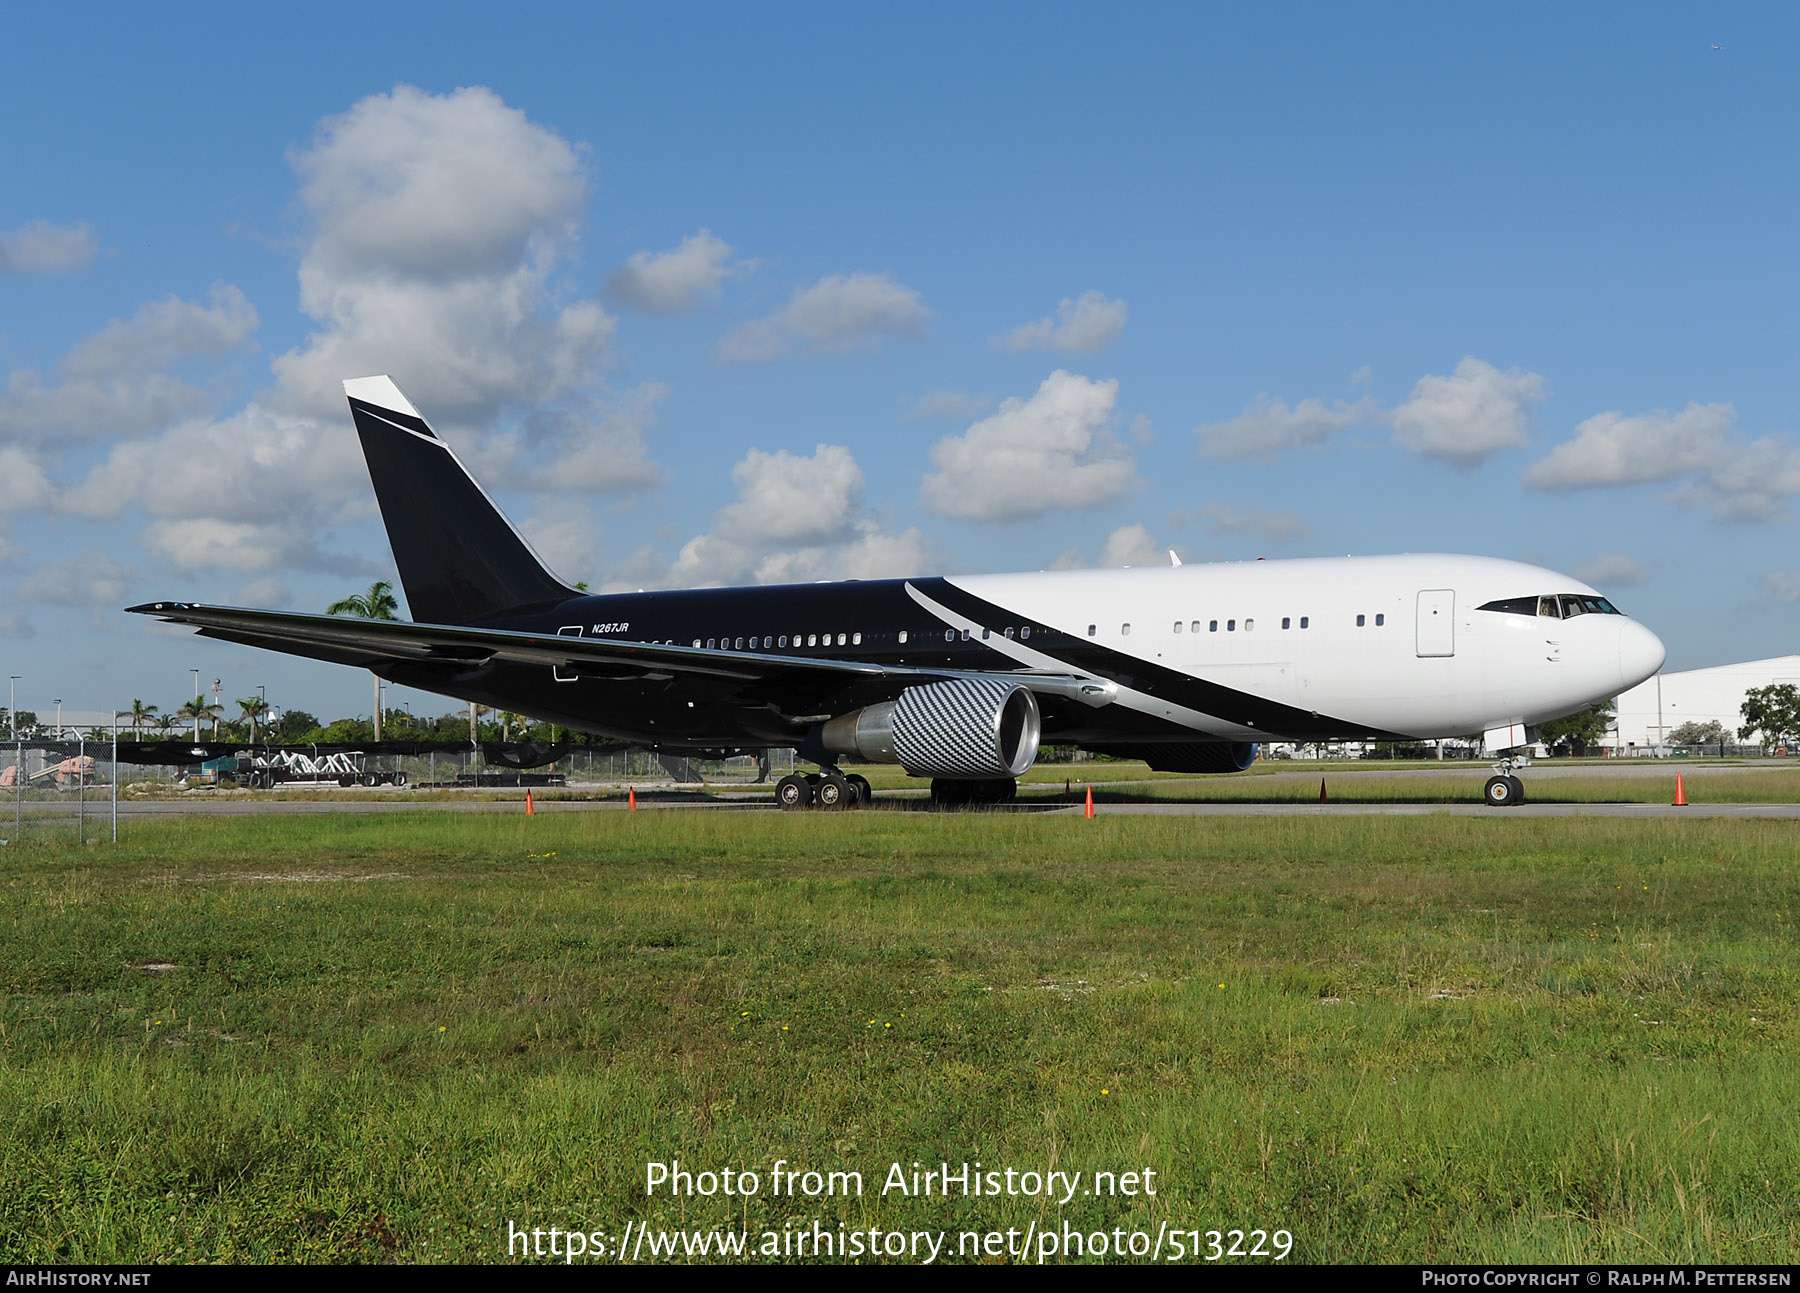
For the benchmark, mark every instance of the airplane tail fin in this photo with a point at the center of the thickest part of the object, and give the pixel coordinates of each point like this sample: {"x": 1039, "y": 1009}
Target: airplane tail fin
{"x": 460, "y": 559}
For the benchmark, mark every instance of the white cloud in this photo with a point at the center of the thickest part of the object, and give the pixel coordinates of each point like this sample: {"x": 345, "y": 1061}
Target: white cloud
{"x": 679, "y": 281}
{"x": 1737, "y": 478}
{"x": 1033, "y": 455}
{"x": 1611, "y": 570}
{"x": 951, "y": 406}
{"x": 439, "y": 220}
{"x": 1476, "y": 411}
{"x": 565, "y": 536}
{"x": 796, "y": 519}
{"x": 43, "y": 248}
{"x": 1269, "y": 427}
{"x": 1781, "y": 586}
{"x": 270, "y": 592}
{"x": 842, "y": 312}
{"x": 91, "y": 579}
{"x": 165, "y": 332}
{"x": 1088, "y": 322}
{"x": 1222, "y": 518}
{"x": 1132, "y": 545}
{"x": 23, "y": 485}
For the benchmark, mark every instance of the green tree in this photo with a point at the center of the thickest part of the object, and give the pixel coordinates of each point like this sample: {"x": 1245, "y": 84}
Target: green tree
{"x": 140, "y": 715}
{"x": 1774, "y": 711}
{"x": 1696, "y": 733}
{"x": 376, "y": 604}
{"x": 201, "y": 710}
{"x": 1579, "y": 730}
{"x": 292, "y": 727}
{"x": 251, "y": 709}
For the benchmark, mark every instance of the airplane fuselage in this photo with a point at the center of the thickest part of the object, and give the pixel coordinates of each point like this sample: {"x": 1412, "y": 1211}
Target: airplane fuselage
{"x": 1316, "y": 649}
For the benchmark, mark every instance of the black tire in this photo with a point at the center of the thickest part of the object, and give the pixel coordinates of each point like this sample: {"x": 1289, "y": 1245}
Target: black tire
{"x": 999, "y": 791}
{"x": 346, "y": 781}
{"x": 400, "y": 779}
{"x": 865, "y": 793}
{"x": 946, "y": 793}
{"x": 370, "y": 779}
{"x": 1518, "y": 791}
{"x": 1502, "y": 792}
{"x": 834, "y": 792}
{"x": 792, "y": 791}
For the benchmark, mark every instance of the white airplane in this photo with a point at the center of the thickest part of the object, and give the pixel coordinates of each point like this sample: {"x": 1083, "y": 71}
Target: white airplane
{"x": 959, "y": 678}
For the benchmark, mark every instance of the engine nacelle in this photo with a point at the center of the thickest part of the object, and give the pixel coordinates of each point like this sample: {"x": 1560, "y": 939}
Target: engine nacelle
{"x": 972, "y": 729}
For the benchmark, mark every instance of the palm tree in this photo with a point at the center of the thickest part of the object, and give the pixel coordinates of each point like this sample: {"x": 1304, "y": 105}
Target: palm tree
{"x": 376, "y": 604}
{"x": 200, "y": 710}
{"x": 139, "y": 714}
{"x": 252, "y": 708}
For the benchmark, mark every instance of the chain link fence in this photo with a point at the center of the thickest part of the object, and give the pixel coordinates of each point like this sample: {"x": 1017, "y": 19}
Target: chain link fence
{"x": 59, "y": 790}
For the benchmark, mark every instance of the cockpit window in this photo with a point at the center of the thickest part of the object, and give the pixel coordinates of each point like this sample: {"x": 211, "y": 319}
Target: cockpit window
{"x": 1563, "y": 606}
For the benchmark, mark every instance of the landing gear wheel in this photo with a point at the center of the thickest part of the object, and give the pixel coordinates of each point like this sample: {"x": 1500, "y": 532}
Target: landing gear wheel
{"x": 949, "y": 794}
{"x": 1518, "y": 791}
{"x": 835, "y": 792}
{"x": 792, "y": 791}
{"x": 1504, "y": 792}
{"x": 865, "y": 793}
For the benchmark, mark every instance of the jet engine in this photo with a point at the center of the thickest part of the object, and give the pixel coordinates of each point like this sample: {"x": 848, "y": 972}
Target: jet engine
{"x": 965, "y": 729}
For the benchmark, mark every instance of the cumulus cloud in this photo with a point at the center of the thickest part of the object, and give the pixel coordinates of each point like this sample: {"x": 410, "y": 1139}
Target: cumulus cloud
{"x": 1475, "y": 411}
{"x": 1222, "y": 518}
{"x": 1035, "y": 455}
{"x": 1611, "y": 570}
{"x": 563, "y": 533}
{"x": 679, "y": 281}
{"x": 438, "y": 223}
{"x": 950, "y": 406}
{"x": 43, "y": 248}
{"x": 1132, "y": 545}
{"x": 796, "y": 519}
{"x": 1086, "y": 322}
{"x": 842, "y": 312}
{"x": 270, "y": 592}
{"x": 1270, "y": 427}
{"x": 91, "y": 579}
{"x": 23, "y": 485}
{"x": 165, "y": 332}
{"x": 1719, "y": 468}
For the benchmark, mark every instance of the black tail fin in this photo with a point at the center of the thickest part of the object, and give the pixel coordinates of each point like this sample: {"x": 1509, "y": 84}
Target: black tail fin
{"x": 460, "y": 559}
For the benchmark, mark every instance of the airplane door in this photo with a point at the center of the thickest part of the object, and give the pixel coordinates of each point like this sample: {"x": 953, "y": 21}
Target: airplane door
{"x": 1437, "y": 622}
{"x": 567, "y": 631}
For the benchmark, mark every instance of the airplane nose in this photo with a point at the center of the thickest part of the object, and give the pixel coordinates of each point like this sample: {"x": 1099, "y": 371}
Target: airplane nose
{"x": 1641, "y": 654}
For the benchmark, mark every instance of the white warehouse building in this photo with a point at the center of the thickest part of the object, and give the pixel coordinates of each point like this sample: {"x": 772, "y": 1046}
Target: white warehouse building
{"x": 1650, "y": 711}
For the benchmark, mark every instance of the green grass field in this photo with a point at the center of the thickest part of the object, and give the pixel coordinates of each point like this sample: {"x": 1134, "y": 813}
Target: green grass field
{"x": 1401, "y": 1039}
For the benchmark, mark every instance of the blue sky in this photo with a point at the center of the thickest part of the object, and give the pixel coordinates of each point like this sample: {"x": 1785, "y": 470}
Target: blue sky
{"x": 717, "y": 294}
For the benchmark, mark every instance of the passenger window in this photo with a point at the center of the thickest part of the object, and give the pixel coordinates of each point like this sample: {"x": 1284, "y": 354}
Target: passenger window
{"x": 1212, "y": 626}
{"x": 1249, "y": 626}
{"x": 949, "y": 635}
{"x": 1194, "y": 627}
{"x": 1178, "y": 626}
{"x": 1380, "y": 620}
{"x": 1231, "y": 626}
{"x": 1284, "y": 621}
{"x": 986, "y": 634}
{"x": 1009, "y": 634}
{"x": 1305, "y": 620}
{"x": 696, "y": 641}
{"x": 1025, "y": 632}
{"x": 740, "y": 644}
{"x": 965, "y": 635}
{"x": 812, "y": 639}
{"x": 710, "y": 643}
{"x": 1092, "y": 629}
{"x": 903, "y": 636}
{"x": 1124, "y": 630}
{"x": 784, "y": 639}
{"x": 1359, "y": 621}
{"x": 856, "y": 639}
{"x": 842, "y": 640}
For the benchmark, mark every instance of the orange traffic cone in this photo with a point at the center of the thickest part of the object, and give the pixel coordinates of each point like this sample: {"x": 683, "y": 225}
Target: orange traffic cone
{"x": 1322, "y": 798}
{"x": 1090, "y": 803}
{"x": 1680, "y": 794}
{"x": 530, "y": 808}
{"x": 631, "y": 797}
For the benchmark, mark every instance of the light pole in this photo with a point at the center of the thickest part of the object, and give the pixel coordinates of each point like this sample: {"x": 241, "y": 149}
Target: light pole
{"x": 196, "y": 674}
{"x": 262, "y": 709}
{"x": 59, "y": 718}
{"x": 12, "y": 704}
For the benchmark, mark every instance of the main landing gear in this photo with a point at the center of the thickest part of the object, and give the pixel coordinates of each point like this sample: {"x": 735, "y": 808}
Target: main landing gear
{"x": 970, "y": 794}
{"x": 826, "y": 789}
{"x": 1503, "y": 789}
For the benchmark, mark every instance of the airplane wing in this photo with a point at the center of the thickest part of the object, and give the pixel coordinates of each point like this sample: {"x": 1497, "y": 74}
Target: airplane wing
{"x": 370, "y": 644}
